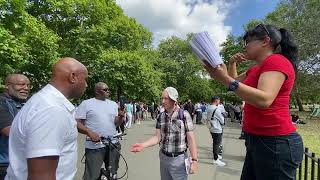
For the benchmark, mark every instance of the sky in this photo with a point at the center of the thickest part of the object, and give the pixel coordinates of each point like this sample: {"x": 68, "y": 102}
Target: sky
{"x": 165, "y": 18}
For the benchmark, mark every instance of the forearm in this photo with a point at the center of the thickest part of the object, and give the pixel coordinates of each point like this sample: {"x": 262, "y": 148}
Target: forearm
{"x": 250, "y": 95}
{"x": 192, "y": 145}
{"x": 154, "y": 140}
{"x": 232, "y": 70}
{"x": 82, "y": 128}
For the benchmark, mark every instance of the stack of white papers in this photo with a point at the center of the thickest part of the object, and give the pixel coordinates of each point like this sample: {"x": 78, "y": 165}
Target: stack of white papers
{"x": 205, "y": 49}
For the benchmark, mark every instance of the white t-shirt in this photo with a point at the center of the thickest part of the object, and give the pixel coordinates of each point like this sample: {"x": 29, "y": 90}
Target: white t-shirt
{"x": 221, "y": 107}
{"x": 45, "y": 126}
{"x": 99, "y": 117}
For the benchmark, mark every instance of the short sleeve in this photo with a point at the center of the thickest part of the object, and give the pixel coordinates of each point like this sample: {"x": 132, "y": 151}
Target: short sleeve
{"x": 81, "y": 112}
{"x": 45, "y": 133}
{"x": 188, "y": 122}
{"x": 158, "y": 124}
{"x": 5, "y": 117}
{"x": 277, "y": 63}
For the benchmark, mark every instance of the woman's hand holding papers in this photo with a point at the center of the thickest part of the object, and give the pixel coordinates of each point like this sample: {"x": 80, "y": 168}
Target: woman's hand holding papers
{"x": 219, "y": 73}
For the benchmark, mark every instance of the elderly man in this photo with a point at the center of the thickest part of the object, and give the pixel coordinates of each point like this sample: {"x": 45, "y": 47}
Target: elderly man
{"x": 43, "y": 136}
{"x": 16, "y": 91}
{"x": 98, "y": 117}
{"x": 174, "y": 132}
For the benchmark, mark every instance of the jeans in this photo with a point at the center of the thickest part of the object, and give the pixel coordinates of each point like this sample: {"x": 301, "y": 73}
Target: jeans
{"x": 95, "y": 158}
{"x": 216, "y": 142}
{"x": 272, "y": 157}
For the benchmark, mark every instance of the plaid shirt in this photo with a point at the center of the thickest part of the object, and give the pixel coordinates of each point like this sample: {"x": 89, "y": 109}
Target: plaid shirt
{"x": 173, "y": 131}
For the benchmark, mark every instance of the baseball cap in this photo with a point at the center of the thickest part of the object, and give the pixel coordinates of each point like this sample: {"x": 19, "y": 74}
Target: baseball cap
{"x": 173, "y": 93}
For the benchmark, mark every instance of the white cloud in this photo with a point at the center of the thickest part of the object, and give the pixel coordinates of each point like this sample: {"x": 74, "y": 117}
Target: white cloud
{"x": 172, "y": 17}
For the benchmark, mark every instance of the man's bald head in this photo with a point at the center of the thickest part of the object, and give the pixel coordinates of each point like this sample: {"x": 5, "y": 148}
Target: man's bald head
{"x": 17, "y": 86}
{"x": 101, "y": 90}
{"x": 70, "y": 76}
{"x": 66, "y": 66}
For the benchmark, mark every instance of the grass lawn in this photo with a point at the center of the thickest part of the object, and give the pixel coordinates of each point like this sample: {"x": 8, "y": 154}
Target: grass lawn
{"x": 310, "y": 133}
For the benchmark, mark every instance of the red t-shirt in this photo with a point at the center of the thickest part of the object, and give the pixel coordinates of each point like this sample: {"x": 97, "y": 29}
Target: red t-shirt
{"x": 275, "y": 120}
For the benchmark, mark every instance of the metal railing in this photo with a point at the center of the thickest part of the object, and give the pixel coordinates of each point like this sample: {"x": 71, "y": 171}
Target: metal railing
{"x": 310, "y": 168}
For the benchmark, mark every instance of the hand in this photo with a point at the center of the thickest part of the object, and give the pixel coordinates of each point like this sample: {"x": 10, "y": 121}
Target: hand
{"x": 121, "y": 113}
{"x": 94, "y": 136}
{"x": 219, "y": 73}
{"x": 194, "y": 167}
{"x": 138, "y": 147}
{"x": 238, "y": 58}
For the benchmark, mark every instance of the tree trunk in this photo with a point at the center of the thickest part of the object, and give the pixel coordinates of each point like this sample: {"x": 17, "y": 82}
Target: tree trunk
{"x": 299, "y": 102}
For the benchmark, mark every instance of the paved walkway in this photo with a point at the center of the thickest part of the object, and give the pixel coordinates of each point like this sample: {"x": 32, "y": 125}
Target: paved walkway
{"x": 145, "y": 165}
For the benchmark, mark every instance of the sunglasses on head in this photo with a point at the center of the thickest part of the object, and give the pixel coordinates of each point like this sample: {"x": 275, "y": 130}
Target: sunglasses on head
{"x": 264, "y": 28}
{"x": 253, "y": 39}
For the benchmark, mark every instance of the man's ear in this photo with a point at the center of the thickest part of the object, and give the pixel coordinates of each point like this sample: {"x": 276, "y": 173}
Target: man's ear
{"x": 73, "y": 78}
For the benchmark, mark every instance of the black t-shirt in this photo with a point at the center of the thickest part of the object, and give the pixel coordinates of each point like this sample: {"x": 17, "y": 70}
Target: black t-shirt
{"x": 138, "y": 108}
{"x": 7, "y": 111}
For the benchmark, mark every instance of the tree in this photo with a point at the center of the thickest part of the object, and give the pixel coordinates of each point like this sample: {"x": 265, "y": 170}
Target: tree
{"x": 298, "y": 16}
{"x": 128, "y": 74}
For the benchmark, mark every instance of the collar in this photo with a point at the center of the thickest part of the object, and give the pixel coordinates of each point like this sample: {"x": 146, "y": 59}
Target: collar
{"x": 57, "y": 94}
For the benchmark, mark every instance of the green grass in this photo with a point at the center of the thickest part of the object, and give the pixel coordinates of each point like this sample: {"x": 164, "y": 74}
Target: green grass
{"x": 310, "y": 133}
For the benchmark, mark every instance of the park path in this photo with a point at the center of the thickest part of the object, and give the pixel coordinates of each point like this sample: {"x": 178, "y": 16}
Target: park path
{"x": 145, "y": 165}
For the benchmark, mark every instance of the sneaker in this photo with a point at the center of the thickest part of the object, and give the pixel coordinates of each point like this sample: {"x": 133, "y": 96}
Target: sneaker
{"x": 218, "y": 162}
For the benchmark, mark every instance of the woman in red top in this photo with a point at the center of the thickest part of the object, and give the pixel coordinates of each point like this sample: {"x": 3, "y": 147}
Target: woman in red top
{"x": 274, "y": 148}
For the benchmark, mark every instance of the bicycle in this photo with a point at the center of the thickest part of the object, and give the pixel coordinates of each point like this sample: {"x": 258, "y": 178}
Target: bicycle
{"x": 107, "y": 174}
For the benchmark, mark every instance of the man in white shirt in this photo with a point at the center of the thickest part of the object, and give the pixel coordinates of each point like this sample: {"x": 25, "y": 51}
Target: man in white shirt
{"x": 43, "y": 135}
{"x": 98, "y": 117}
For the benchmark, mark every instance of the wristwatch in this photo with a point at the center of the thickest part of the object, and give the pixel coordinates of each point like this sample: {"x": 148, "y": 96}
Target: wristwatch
{"x": 194, "y": 159}
{"x": 233, "y": 85}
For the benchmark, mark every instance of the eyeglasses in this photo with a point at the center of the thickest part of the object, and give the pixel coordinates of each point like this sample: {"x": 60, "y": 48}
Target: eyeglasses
{"x": 29, "y": 86}
{"x": 106, "y": 89}
{"x": 246, "y": 42}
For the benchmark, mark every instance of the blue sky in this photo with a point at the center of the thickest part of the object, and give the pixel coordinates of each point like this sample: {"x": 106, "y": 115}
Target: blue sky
{"x": 166, "y": 18}
{"x": 246, "y": 10}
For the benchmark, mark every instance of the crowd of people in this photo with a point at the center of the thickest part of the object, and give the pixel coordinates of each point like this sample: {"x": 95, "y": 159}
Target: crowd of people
{"x": 38, "y": 138}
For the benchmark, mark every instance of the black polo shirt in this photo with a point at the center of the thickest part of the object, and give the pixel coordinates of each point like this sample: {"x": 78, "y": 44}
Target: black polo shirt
{"x": 8, "y": 110}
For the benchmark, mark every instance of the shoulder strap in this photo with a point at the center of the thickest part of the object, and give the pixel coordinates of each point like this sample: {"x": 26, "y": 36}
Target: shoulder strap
{"x": 181, "y": 114}
{"x": 213, "y": 113}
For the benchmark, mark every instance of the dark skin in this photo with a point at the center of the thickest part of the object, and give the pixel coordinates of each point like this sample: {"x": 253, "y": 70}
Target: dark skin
{"x": 17, "y": 86}
{"x": 69, "y": 77}
{"x": 101, "y": 93}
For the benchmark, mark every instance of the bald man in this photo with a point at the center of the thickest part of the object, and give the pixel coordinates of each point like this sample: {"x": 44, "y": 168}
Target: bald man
{"x": 16, "y": 91}
{"x": 43, "y": 136}
{"x": 98, "y": 117}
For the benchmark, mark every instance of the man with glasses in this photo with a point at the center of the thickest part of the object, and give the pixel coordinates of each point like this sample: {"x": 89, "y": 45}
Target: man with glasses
{"x": 16, "y": 92}
{"x": 98, "y": 117}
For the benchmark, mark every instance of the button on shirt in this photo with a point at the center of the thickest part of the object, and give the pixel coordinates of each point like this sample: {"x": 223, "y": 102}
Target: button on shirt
{"x": 98, "y": 116}
{"x": 173, "y": 131}
{"x": 45, "y": 126}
